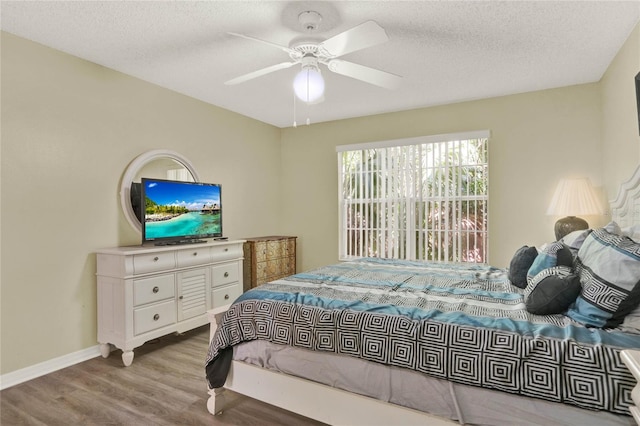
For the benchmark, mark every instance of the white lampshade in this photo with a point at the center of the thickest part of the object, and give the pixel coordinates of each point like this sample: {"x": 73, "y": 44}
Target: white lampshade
{"x": 309, "y": 84}
{"x": 574, "y": 197}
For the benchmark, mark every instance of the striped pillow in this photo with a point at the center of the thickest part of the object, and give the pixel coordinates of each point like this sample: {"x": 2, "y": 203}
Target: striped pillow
{"x": 609, "y": 269}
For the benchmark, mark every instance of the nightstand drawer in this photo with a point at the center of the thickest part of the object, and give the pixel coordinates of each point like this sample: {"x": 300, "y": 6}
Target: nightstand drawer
{"x": 153, "y": 289}
{"x": 154, "y": 316}
{"x": 226, "y": 294}
{"x": 194, "y": 257}
{"x": 155, "y": 262}
{"x": 224, "y": 274}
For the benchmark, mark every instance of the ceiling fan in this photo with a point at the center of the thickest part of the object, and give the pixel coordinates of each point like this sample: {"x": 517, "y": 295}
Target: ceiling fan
{"x": 309, "y": 52}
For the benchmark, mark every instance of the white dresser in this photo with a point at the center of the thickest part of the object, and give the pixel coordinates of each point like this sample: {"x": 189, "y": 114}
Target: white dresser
{"x": 145, "y": 292}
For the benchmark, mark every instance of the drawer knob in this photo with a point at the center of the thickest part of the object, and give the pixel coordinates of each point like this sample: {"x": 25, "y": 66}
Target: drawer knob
{"x": 226, "y": 297}
{"x": 155, "y": 289}
{"x": 195, "y": 253}
{"x": 181, "y": 297}
{"x": 226, "y": 249}
{"x": 156, "y": 317}
{"x": 226, "y": 274}
{"x": 155, "y": 259}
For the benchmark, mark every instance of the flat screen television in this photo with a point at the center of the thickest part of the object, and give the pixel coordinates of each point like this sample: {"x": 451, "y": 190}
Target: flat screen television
{"x": 178, "y": 212}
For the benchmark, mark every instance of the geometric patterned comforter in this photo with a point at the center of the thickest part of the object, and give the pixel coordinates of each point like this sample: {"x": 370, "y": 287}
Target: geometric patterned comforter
{"x": 459, "y": 322}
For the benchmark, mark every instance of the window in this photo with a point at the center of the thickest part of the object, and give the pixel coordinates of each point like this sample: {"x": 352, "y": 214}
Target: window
{"x": 416, "y": 199}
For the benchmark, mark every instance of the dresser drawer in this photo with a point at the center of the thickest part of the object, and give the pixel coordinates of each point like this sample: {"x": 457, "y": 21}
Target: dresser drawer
{"x": 154, "y": 262}
{"x": 154, "y": 316}
{"x": 226, "y": 295}
{"x": 153, "y": 289}
{"x": 194, "y": 257}
{"x": 289, "y": 266}
{"x": 224, "y": 274}
{"x": 226, "y": 252}
{"x": 261, "y": 273}
{"x": 260, "y": 251}
{"x": 291, "y": 247}
{"x": 276, "y": 249}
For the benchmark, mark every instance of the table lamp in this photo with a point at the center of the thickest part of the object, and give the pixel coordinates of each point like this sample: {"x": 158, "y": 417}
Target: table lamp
{"x": 573, "y": 197}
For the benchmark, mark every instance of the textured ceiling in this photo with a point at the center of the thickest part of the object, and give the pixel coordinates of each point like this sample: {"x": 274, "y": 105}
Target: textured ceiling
{"x": 446, "y": 51}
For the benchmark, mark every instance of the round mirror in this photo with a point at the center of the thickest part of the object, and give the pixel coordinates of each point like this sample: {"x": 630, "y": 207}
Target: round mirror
{"x": 157, "y": 164}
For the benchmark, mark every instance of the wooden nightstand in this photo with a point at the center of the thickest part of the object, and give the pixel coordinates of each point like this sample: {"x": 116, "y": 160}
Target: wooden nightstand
{"x": 267, "y": 259}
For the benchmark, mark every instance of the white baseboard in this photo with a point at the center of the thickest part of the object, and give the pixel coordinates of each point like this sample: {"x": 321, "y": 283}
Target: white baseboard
{"x": 25, "y": 374}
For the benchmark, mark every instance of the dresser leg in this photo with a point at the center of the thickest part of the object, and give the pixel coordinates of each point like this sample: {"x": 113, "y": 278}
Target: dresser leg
{"x": 127, "y": 358}
{"x": 105, "y": 350}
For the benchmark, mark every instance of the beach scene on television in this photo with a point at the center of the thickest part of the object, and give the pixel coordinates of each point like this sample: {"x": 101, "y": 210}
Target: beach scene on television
{"x": 177, "y": 209}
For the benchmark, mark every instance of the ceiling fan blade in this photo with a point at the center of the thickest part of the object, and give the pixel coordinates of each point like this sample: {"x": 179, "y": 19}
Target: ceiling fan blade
{"x": 259, "y": 73}
{"x": 362, "y": 36}
{"x": 277, "y": 46}
{"x": 366, "y": 74}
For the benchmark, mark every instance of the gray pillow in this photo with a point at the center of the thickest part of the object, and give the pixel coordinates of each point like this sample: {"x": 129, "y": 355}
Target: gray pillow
{"x": 520, "y": 264}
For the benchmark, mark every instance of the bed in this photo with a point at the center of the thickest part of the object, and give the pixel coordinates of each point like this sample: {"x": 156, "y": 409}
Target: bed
{"x": 378, "y": 341}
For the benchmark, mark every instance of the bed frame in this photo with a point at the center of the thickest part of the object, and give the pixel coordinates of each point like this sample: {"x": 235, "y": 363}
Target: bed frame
{"x": 342, "y": 407}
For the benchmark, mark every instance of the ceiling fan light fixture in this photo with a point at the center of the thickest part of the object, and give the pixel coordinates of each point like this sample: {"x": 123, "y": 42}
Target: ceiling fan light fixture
{"x": 308, "y": 84}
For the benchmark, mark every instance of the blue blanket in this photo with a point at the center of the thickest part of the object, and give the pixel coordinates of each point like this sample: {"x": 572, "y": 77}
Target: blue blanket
{"x": 459, "y": 322}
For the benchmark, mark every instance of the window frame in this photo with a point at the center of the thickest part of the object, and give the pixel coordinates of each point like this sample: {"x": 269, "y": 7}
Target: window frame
{"x": 409, "y": 251}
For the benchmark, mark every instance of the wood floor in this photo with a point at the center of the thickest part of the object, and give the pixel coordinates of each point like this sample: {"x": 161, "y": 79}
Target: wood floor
{"x": 165, "y": 385}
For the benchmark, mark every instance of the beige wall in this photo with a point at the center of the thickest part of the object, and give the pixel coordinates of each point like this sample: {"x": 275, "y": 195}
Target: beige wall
{"x": 620, "y": 133}
{"x": 69, "y": 130}
{"x": 536, "y": 139}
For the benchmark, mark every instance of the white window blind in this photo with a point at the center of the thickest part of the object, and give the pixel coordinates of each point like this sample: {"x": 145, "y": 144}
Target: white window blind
{"x": 415, "y": 199}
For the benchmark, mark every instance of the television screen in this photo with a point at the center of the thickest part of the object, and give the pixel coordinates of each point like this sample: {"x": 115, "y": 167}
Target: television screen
{"x": 180, "y": 212}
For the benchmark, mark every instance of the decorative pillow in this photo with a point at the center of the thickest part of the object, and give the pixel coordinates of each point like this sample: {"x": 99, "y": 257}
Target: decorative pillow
{"x": 552, "y": 291}
{"x": 520, "y": 264}
{"x": 609, "y": 269}
{"x": 548, "y": 258}
{"x": 564, "y": 257}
